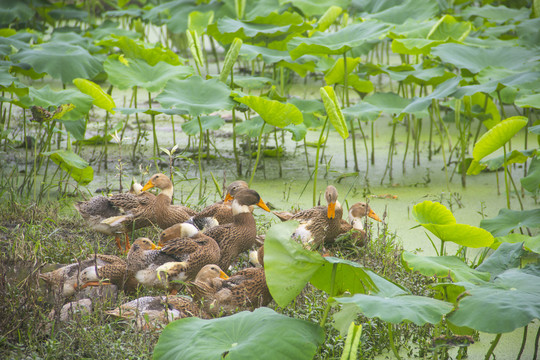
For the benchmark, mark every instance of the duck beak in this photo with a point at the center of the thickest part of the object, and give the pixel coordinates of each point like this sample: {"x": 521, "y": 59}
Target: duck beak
{"x": 228, "y": 198}
{"x": 262, "y": 205}
{"x": 148, "y": 185}
{"x": 222, "y": 275}
{"x": 154, "y": 247}
{"x": 373, "y": 215}
{"x": 331, "y": 210}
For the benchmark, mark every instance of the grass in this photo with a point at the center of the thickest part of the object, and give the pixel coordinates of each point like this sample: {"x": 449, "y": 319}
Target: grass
{"x": 32, "y": 236}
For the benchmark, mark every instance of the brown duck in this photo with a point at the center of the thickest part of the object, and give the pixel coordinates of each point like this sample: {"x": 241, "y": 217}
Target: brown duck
{"x": 357, "y": 216}
{"x": 160, "y": 212}
{"x": 222, "y": 210}
{"x": 239, "y": 235}
{"x": 192, "y": 249}
{"x": 320, "y": 224}
{"x": 99, "y": 208}
{"x": 151, "y": 311}
{"x": 69, "y": 277}
{"x": 244, "y": 290}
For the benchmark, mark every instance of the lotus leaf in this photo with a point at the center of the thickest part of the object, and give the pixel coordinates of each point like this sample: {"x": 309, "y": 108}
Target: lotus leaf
{"x": 139, "y": 50}
{"x": 240, "y": 336}
{"x": 199, "y": 21}
{"x": 333, "y": 110}
{"x": 12, "y": 10}
{"x": 253, "y": 82}
{"x": 328, "y": 18}
{"x": 252, "y": 127}
{"x": 509, "y": 302}
{"x": 175, "y": 14}
{"x": 498, "y": 14}
{"x": 395, "y": 305}
{"x": 73, "y": 164}
{"x": 360, "y": 85}
{"x": 230, "y": 59}
{"x": 61, "y": 61}
{"x": 399, "y": 12}
{"x": 308, "y": 106}
{"x": 475, "y": 59}
{"x": 417, "y": 74}
{"x": 196, "y": 95}
{"x": 443, "y": 90}
{"x": 364, "y": 111}
{"x": 522, "y": 79}
{"x": 315, "y": 7}
{"x": 507, "y": 256}
{"x": 298, "y": 131}
{"x": 531, "y": 182}
{"x": 350, "y": 277}
{"x": 337, "y": 42}
{"x": 273, "y": 112}
{"x": 389, "y": 103}
{"x": 337, "y": 72}
{"x": 508, "y": 220}
{"x": 101, "y": 98}
{"x": 429, "y": 212}
{"x": 450, "y": 267}
{"x": 515, "y": 157}
{"x": 137, "y": 72}
{"x": 530, "y": 243}
{"x": 208, "y": 123}
{"x": 532, "y": 100}
{"x": 448, "y": 28}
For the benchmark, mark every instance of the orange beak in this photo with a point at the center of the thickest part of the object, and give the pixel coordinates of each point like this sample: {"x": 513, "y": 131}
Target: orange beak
{"x": 331, "y": 210}
{"x": 228, "y": 198}
{"x": 373, "y": 215}
{"x": 148, "y": 185}
{"x": 223, "y": 275}
{"x": 262, "y": 205}
{"x": 154, "y": 247}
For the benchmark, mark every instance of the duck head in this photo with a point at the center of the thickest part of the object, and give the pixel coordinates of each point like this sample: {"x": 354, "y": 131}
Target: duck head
{"x": 331, "y": 195}
{"x": 162, "y": 182}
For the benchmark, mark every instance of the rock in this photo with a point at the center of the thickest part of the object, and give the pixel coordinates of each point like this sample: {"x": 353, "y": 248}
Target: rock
{"x": 99, "y": 294}
{"x": 70, "y": 311}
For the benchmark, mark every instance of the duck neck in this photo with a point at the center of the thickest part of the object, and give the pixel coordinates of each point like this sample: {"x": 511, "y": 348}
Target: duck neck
{"x": 168, "y": 191}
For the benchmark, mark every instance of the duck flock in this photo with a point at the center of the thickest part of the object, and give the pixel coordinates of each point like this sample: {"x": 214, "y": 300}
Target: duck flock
{"x": 194, "y": 252}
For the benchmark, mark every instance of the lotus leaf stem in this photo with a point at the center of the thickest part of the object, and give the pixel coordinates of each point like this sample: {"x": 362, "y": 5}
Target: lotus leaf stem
{"x": 525, "y": 329}
{"x": 492, "y": 347}
{"x": 316, "y": 171}
{"x": 258, "y": 154}
{"x": 391, "y": 340}
{"x": 328, "y": 306}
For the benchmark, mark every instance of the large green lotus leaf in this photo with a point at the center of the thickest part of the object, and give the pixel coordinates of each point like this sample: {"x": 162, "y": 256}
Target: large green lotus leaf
{"x": 360, "y": 85}
{"x": 519, "y": 79}
{"x": 389, "y": 103}
{"x": 272, "y": 56}
{"x": 497, "y": 136}
{"x": 450, "y": 267}
{"x": 101, "y": 98}
{"x": 137, "y": 72}
{"x": 298, "y": 131}
{"x": 61, "y": 61}
{"x": 508, "y": 220}
{"x": 109, "y": 28}
{"x": 333, "y": 110}
{"x": 12, "y": 10}
{"x": 196, "y": 95}
{"x": 73, "y": 164}
{"x": 429, "y": 212}
{"x": 530, "y": 243}
{"x": 507, "y": 303}
{"x": 448, "y": 28}
{"x": 208, "y": 123}
{"x": 417, "y": 74}
{"x": 72, "y": 38}
{"x": 199, "y": 21}
{"x": 461, "y": 234}
{"x": 10, "y": 83}
{"x": 312, "y": 8}
{"x": 328, "y": 18}
{"x": 395, "y": 305}
{"x": 442, "y": 91}
{"x": 475, "y": 59}
{"x": 350, "y": 277}
{"x": 253, "y": 82}
{"x": 515, "y": 157}
{"x": 364, "y": 111}
{"x": 288, "y": 266}
{"x": 414, "y": 46}
{"x": 507, "y": 256}
{"x": 135, "y": 49}
{"x": 529, "y": 101}
{"x": 337, "y": 42}
{"x": 252, "y": 127}
{"x": 151, "y": 111}
{"x": 175, "y": 14}
{"x": 273, "y": 112}
{"x": 336, "y": 73}
{"x": 260, "y": 28}
{"x": 263, "y": 332}
{"x": 399, "y": 12}
{"x": 484, "y": 108}
{"x": 308, "y": 106}
{"x": 412, "y": 29}
{"x": 46, "y": 97}
{"x": 531, "y": 182}
{"x": 498, "y": 14}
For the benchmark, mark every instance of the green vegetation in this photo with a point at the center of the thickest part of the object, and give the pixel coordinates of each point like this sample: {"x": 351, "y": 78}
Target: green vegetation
{"x": 88, "y": 87}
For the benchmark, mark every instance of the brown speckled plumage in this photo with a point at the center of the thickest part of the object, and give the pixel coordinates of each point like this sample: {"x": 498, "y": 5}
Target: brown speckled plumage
{"x": 316, "y": 226}
{"x": 244, "y": 290}
{"x": 239, "y": 235}
{"x": 222, "y": 210}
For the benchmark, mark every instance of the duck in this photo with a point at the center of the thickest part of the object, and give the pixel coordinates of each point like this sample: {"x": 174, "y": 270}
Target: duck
{"x": 240, "y": 235}
{"x": 153, "y": 311}
{"x": 160, "y": 211}
{"x": 245, "y": 290}
{"x": 320, "y": 224}
{"x": 99, "y": 208}
{"x": 193, "y": 248}
{"x": 67, "y": 279}
{"x": 221, "y": 211}
{"x": 358, "y": 214}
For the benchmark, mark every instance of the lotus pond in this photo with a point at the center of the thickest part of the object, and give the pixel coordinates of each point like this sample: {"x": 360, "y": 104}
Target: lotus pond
{"x": 426, "y": 109}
